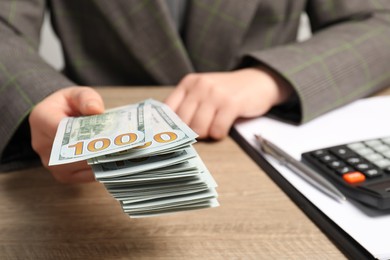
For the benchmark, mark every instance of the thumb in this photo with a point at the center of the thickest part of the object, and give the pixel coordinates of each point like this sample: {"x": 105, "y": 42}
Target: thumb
{"x": 86, "y": 100}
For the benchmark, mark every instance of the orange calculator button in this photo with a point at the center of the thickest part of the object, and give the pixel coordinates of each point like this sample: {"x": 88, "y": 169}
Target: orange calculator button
{"x": 354, "y": 177}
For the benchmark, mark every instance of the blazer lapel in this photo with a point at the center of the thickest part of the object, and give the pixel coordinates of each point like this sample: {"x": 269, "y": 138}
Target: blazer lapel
{"x": 215, "y": 29}
{"x": 148, "y": 30}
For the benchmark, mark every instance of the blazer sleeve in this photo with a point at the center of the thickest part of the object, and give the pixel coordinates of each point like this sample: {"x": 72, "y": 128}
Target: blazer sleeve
{"x": 25, "y": 79}
{"x": 348, "y": 57}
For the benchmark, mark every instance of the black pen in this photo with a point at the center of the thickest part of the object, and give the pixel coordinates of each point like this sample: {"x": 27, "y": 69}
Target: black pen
{"x": 299, "y": 168}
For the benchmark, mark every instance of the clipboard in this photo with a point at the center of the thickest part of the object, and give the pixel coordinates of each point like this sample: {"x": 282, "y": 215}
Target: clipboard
{"x": 350, "y": 243}
{"x": 341, "y": 239}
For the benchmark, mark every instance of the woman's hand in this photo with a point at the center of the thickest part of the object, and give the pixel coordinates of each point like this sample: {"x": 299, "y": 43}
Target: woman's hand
{"x": 44, "y": 120}
{"x": 210, "y": 102}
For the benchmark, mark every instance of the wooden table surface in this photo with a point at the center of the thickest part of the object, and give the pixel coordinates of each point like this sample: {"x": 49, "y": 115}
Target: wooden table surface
{"x": 43, "y": 219}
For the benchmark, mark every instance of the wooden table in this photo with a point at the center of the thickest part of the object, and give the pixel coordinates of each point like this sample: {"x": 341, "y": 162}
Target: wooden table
{"x": 43, "y": 219}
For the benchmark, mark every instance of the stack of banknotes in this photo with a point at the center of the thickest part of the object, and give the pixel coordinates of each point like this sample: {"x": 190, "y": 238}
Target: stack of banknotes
{"x": 143, "y": 154}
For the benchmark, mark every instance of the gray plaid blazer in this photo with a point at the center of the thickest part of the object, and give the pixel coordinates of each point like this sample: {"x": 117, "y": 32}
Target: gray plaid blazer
{"x": 134, "y": 42}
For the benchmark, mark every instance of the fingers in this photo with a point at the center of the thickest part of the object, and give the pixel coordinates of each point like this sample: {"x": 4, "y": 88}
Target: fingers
{"x": 86, "y": 101}
{"x": 186, "y": 112}
{"x": 191, "y": 93}
{"x": 177, "y": 96}
{"x": 214, "y": 121}
{"x": 203, "y": 119}
{"x": 205, "y": 104}
{"x": 67, "y": 173}
{"x": 78, "y": 176}
{"x": 73, "y": 173}
{"x": 223, "y": 121}
{"x": 44, "y": 120}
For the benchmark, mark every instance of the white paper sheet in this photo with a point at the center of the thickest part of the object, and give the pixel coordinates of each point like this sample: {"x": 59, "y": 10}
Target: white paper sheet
{"x": 363, "y": 119}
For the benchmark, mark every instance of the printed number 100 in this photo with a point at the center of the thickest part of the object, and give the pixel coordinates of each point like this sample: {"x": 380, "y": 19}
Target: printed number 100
{"x": 101, "y": 144}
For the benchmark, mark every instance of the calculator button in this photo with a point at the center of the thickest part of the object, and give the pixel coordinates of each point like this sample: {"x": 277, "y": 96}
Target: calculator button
{"x": 342, "y": 152}
{"x": 373, "y": 143}
{"x": 356, "y": 146}
{"x": 382, "y": 148}
{"x": 382, "y": 163}
{"x": 374, "y": 157}
{"x": 363, "y": 166}
{"x": 336, "y": 164}
{"x": 370, "y": 173}
{"x": 319, "y": 153}
{"x": 387, "y": 154}
{"x": 386, "y": 140}
{"x": 327, "y": 158}
{"x": 344, "y": 170}
{"x": 354, "y": 177}
{"x": 365, "y": 151}
{"x": 354, "y": 160}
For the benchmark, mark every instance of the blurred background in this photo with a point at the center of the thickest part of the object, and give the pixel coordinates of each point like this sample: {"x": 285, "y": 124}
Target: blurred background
{"x": 50, "y": 48}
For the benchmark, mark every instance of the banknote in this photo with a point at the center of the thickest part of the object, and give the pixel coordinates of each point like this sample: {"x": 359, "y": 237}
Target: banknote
{"x": 165, "y": 205}
{"x": 170, "y": 173}
{"x": 81, "y": 138}
{"x": 146, "y": 189}
{"x": 133, "y": 166}
{"x": 151, "y": 190}
{"x": 208, "y": 203}
{"x": 144, "y": 156}
{"x": 170, "y": 133}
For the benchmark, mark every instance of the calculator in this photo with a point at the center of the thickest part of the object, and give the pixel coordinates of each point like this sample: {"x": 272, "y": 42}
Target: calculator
{"x": 360, "y": 170}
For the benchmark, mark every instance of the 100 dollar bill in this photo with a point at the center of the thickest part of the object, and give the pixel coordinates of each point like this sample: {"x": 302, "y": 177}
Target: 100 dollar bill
{"x": 81, "y": 138}
{"x": 170, "y": 134}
